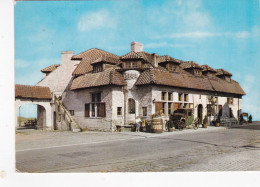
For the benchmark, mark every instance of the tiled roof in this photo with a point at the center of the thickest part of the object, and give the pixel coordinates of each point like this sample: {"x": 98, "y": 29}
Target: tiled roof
{"x": 32, "y": 92}
{"x": 167, "y": 58}
{"x": 106, "y": 77}
{"x": 107, "y": 59}
{"x": 50, "y": 68}
{"x": 87, "y": 58}
{"x": 190, "y": 64}
{"x": 159, "y": 77}
{"x": 223, "y": 72}
{"x": 208, "y": 68}
{"x": 132, "y": 55}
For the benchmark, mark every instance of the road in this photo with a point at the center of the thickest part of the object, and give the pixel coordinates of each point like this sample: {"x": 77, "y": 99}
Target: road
{"x": 235, "y": 149}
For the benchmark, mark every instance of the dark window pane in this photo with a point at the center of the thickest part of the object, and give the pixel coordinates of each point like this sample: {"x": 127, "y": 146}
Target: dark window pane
{"x": 87, "y": 110}
{"x": 131, "y": 106}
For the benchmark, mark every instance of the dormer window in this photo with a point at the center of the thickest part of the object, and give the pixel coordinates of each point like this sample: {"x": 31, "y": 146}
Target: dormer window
{"x": 97, "y": 68}
{"x": 130, "y": 65}
{"x": 173, "y": 67}
{"x": 197, "y": 72}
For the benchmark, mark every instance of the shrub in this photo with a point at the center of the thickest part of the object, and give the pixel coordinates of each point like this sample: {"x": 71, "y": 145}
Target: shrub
{"x": 189, "y": 121}
{"x": 250, "y": 119}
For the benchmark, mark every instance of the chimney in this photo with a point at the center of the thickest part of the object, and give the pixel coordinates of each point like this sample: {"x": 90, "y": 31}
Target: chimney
{"x": 155, "y": 59}
{"x": 66, "y": 57}
{"x": 136, "y": 47}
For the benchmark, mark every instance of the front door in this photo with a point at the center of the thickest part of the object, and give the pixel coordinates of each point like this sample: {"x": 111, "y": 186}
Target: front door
{"x": 200, "y": 108}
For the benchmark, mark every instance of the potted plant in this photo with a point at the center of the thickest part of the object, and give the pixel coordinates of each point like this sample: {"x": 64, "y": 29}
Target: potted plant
{"x": 205, "y": 122}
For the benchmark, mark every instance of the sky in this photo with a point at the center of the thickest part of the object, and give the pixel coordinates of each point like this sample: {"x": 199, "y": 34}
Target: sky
{"x": 220, "y": 33}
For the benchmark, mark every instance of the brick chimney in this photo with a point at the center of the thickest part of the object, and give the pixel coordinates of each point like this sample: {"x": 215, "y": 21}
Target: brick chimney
{"x": 66, "y": 57}
{"x": 155, "y": 59}
{"x": 136, "y": 47}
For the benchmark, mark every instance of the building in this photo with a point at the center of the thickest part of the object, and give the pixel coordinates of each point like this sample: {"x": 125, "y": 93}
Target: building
{"x": 98, "y": 90}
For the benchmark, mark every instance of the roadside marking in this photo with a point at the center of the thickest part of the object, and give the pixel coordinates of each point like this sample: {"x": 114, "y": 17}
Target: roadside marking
{"x": 80, "y": 144}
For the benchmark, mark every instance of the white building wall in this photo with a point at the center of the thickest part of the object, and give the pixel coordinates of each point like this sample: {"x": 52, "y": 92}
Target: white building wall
{"x": 76, "y": 100}
{"x": 59, "y": 79}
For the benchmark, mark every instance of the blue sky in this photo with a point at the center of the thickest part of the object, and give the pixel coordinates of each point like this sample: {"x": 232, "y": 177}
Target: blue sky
{"x": 220, "y": 33}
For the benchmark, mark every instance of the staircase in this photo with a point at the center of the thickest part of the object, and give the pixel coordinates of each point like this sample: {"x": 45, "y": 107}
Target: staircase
{"x": 65, "y": 119}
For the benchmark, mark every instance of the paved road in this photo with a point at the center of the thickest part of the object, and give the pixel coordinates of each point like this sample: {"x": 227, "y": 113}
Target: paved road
{"x": 236, "y": 149}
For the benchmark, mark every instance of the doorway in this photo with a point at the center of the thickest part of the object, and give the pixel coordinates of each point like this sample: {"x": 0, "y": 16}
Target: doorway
{"x": 200, "y": 109}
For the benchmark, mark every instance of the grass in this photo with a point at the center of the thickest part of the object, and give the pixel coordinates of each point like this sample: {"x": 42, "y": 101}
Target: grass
{"x": 23, "y": 119}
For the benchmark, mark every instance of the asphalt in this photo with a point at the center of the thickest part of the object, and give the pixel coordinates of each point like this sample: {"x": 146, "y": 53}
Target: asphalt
{"x": 211, "y": 149}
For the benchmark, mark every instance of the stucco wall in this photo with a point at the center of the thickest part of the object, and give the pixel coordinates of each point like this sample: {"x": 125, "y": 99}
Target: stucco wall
{"x": 76, "y": 100}
{"x": 59, "y": 79}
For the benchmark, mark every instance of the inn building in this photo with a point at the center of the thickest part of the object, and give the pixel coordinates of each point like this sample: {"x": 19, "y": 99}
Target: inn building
{"x": 98, "y": 90}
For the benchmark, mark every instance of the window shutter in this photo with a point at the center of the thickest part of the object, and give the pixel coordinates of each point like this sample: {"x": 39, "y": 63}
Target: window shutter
{"x": 102, "y": 110}
{"x": 158, "y": 106}
{"x": 86, "y": 110}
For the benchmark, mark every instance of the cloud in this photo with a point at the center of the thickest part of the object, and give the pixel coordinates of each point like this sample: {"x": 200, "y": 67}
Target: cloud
{"x": 96, "y": 20}
{"x": 19, "y": 63}
{"x": 250, "y": 102}
{"x": 28, "y": 72}
{"x": 194, "y": 35}
{"x": 165, "y": 44}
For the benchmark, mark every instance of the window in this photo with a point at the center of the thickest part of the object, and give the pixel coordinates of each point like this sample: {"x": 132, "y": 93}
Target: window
{"x": 219, "y": 110}
{"x": 71, "y": 112}
{"x": 131, "y": 106}
{"x": 172, "y": 67}
{"x": 131, "y": 65}
{"x": 169, "y": 108}
{"x": 97, "y": 68}
{"x": 180, "y": 96}
{"x": 209, "y": 110}
{"x": 93, "y": 112}
{"x": 200, "y": 97}
{"x": 119, "y": 111}
{"x": 163, "y": 95}
{"x": 191, "y": 105}
{"x": 185, "y": 97}
{"x": 144, "y": 111}
{"x": 127, "y": 64}
{"x": 101, "y": 110}
{"x": 169, "y": 96}
{"x": 158, "y": 106}
{"x": 215, "y": 99}
{"x": 87, "y": 110}
{"x": 163, "y": 108}
{"x": 134, "y": 65}
{"x": 230, "y": 100}
{"x": 197, "y": 72}
{"x": 95, "y": 108}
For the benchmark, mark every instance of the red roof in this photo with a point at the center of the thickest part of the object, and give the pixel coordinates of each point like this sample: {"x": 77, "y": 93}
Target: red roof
{"x": 50, "y": 68}
{"x": 159, "y": 77}
{"x": 107, "y": 77}
{"x": 32, "y": 92}
{"x": 87, "y": 58}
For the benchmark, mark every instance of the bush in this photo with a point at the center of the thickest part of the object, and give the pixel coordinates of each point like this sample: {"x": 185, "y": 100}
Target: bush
{"x": 189, "y": 121}
{"x": 250, "y": 119}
